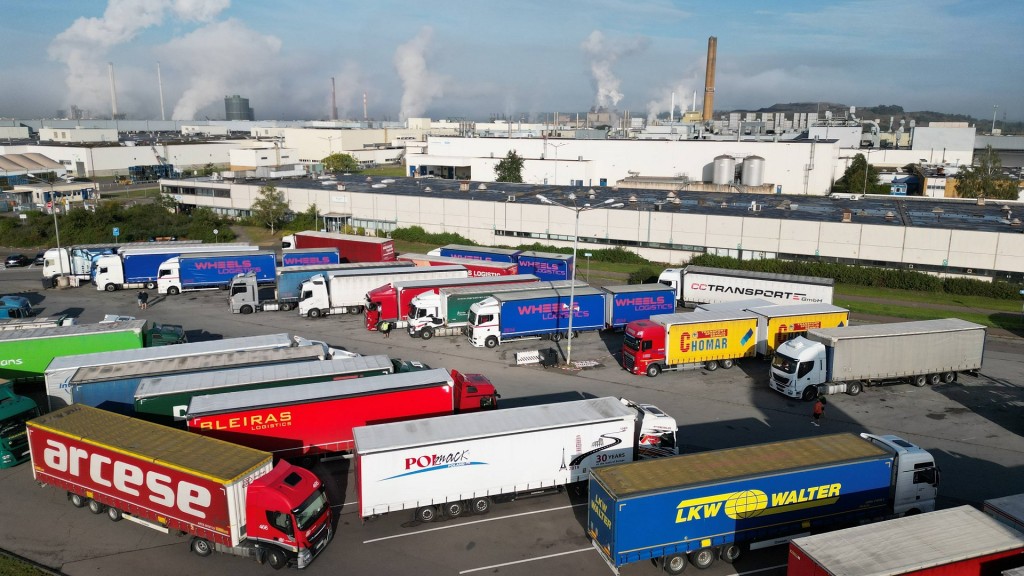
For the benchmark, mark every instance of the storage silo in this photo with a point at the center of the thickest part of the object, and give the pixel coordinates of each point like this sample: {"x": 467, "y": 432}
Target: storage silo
{"x": 753, "y": 171}
{"x": 724, "y": 170}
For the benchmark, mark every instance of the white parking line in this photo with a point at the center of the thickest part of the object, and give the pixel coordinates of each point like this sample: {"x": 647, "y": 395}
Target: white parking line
{"x": 418, "y": 532}
{"x": 493, "y": 566}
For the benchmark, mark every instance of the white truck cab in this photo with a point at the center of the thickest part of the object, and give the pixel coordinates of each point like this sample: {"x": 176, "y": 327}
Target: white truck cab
{"x": 484, "y": 328}
{"x": 798, "y": 367}
{"x": 314, "y": 297}
{"x": 167, "y": 279}
{"x": 917, "y": 476}
{"x": 424, "y": 311}
{"x": 657, "y": 431}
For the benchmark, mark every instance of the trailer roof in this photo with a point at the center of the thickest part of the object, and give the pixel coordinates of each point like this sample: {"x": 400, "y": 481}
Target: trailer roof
{"x": 715, "y": 466}
{"x": 634, "y": 288}
{"x": 210, "y": 404}
{"x": 548, "y": 255}
{"x": 371, "y": 271}
{"x": 327, "y": 369}
{"x": 427, "y": 431}
{"x": 832, "y": 335}
{"x": 1011, "y": 507}
{"x": 330, "y": 268}
{"x": 561, "y": 292}
{"x": 910, "y": 543}
{"x": 468, "y": 281}
{"x": 498, "y": 288}
{"x": 455, "y": 260}
{"x": 192, "y": 453}
{"x": 75, "y": 330}
{"x": 171, "y": 351}
{"x": 216, "y": 361}
{"x": 307, "y": 250}
{"x": 821, "y": 281}
{"x": 747, "y": 304}
{"x": 779, "y": 310}
{"x": 702, "y": 316}
{"x": 349, "y": 237}
{"x": 192, "y": 248}
{"x": 214, "y": 253}
{"x": 485, "y": 249}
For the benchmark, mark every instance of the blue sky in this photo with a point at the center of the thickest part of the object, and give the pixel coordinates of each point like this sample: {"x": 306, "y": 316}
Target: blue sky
{"x": 474, "y": 59}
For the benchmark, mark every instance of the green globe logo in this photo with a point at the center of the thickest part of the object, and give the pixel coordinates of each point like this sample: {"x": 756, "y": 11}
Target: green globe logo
{"x": 746, "y": 504}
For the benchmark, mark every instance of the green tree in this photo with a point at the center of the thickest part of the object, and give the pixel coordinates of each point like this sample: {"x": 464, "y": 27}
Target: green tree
{"x": 340, "y": 163}
{"x": 270, "y": 208}
{"x": 986, "y": 179}
{"x": 510, "y": 168}
{"x": 308, "y": 219}
{"x": 853, "y": 181}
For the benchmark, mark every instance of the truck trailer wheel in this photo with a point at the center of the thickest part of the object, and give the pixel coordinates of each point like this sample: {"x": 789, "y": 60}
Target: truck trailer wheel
{"x": 810, "y": 393}
{"x": 427, "y": 333}
{"x": 246, "y": 309}
{"x": 173, "y": 291}
{"x": 110, "y": 288}
{"x": 355, "y": 310}
{"x": 675, "y": 564}
{"x": 426, "y": 514}
{"x": 727, "y": 363}
{"x": 919, "y": 381}
{"x": 653, "y": 370}
{"x": 76, "y": 500}
{"x": 703, "y": 558}
{"x": 934, "y": 379}
{"x": 150, "y": 285}
{"x": 491, "y": 341}
{"x": 854, "y": 388}
{"x": 454, "y": 509}
{"x": 314, "y": 313}
{"x": 711, "y": 366}
{"x": 949, "y": 377}
{"x": 555, "y": 336}
{"x": 114, "y": 514}
{"x": 480, "y": 505}
{"x": 200, "y": 547}
{"x": 95, "y": 507}
{"x": 730, "y": 553}
{"x": 277, "y": 558}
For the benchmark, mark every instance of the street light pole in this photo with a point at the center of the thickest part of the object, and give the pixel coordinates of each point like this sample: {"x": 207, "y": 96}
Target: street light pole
{"x": 609, "y": 203}
{"x": 56, "y": 229}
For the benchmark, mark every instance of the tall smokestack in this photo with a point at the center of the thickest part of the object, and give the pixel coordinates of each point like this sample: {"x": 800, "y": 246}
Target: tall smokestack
{"x": 113, "y": 92}
{"x": 334, "y": 101}
{"x": 160, "y": 84}
{"x": 364, "y": 106}
{"x": 672, "y": 109}
{"x": 709, "y": 79}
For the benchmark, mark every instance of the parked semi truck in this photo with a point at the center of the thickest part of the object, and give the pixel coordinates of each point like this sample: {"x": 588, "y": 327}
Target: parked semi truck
{"x": 37, "y": 322}
{"x": 140, "y": 267}
{"x": 312, "y": 420}
{"x": 478, "y": 253}
{"x": 392, "y": 302}
{"x": 710, "y": 505}
{"x": 113, "y": 387}
{"x": 80, "y": 260}
{"x": 227, "y": 497}
{"x": 629, "y": 302}
{"x": 703, "y": 285}
{"x": 60, "y": 371}
{"x": 165, "y": 398}
{"x": 533, "y": 314}
{"x": 544, "y": 265}
{"x": 717, "y": 339}
{"x": 830, "y": 361}
{"x": 207, "y": 270}
{"x": 244, "y": 290}
{"x": 27, "y": 353}
{"x": 446, "y": 313}
{"x": 351, "y": 248}
{"x": 961, "y": 541}
{"x": 453, "y": 464}
{"x": 310, "y": 257}
{"x": 15, "y": 410}
{"x": 341, "y": 292}
{"x": 474, "y": 266}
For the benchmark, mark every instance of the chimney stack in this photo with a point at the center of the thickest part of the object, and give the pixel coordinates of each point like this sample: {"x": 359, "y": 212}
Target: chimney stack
{"x": 709, "y": 80}
{"x": 113, "y": 92}
{"x": 334, "y": 101}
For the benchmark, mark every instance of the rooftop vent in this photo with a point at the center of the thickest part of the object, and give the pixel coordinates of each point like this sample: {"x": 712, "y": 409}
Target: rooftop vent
{"x": 368, "y": 179}
{"x": 981, "y": 201}
{"x": 388, "y": 181}
{"x": 482, "y": 186}
{"x": 889, "y": 216}
{"x": 592, "y": 194}
{"x": 463, "y": 185}
{"x": 847, "y": 215}
{"x": 938, "y": 212}
{"x": 511, "y": 198}
{"x": 724, "y": 205}
{"x": 341, "y": 186}
{"x": 378, "y": 186}
{"x": 632, "y": 199}
{"x": 427, "y": 189}
{"x": 1015, "y": 222}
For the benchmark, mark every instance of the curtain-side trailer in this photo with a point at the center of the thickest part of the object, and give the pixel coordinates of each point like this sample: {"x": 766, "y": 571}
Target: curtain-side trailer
{"x": 705, "y": 285}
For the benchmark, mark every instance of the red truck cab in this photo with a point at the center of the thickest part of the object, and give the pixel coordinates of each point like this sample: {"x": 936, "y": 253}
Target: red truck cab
{"x": 288, "y": 509}
{"x": 643, "y": 345}
{"x": 474, "y": 392}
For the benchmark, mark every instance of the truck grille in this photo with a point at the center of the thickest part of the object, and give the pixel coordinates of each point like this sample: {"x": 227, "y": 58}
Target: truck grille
{"x": 628, "y": 362}
{"x": 779, "y": 383}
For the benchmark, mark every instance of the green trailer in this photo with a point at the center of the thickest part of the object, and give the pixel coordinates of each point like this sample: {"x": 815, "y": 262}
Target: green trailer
{"x": 165, "y": 399}
{"x": 14, "y": 412}
{"x": 25, "y": 354}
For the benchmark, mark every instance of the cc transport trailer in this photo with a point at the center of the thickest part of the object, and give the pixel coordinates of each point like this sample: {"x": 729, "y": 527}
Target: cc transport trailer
{"x": 344, "y": 291}
{"x": 208, "y": 270}
{"x": 311, "y": 420}
{"x": 961, "y": 541}
{"x": 392, "y": 302}
{"x": 717, "y": 339}
{"x": 700, "y": 507}
{"x": 474, "y": 266}
{"x": 453, "y": 464}
{"x": 703, "y": 285}
{"x": 244, "y": 291}
{"x": 227, "y": 497}
{"x": 309, "y": 257}
{"x": 140, "y": 267}
{"x": 165, "y": 399}
{"x": 351, "y": 248}
{"x": 834, "y": 360}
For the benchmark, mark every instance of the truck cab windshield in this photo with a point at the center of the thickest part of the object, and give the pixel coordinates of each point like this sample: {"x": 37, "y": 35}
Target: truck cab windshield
{"x": 632, "y": 342}
{"x": 415, "y": 312}
{"x": 312, "y": 509}
{"x": 784, "y": 363}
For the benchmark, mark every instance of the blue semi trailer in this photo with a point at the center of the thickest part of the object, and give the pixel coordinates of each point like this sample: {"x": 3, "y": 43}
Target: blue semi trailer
{"x": 139, "y": 267}
{"x": 214, "y": 270}
{"x": 624, "y": 304}
{"x": 244, "y": 290}
{"x": 479, "y": 253}
{"x": 701, "y": 507}
{"x": 546, "y": 265}
{"x": 535, "y": 313}
{"x": 309, "y": 257}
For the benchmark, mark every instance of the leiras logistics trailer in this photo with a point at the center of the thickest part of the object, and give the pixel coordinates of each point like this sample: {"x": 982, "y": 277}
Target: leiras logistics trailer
{"x": 345, "y": 291}
{"x": 709, "y": 505}
{"x": 312, "y": 420}
{"x": 533, "y": 314}
{"x": 140, "y": 267}
{"x": 446, "y": 313}
{"x": 474, "y": 266}
{"x": 393, "y": 301}
{"x": 60, "y": 371}
{"x": 165, "y": 398}
{"x": 309, "y": 257}
{"x": 244, "y": 291}
{"x": 204, "y": 271}
{"x": 717, "y": 339}
{"x": 351, "y": 248}
{"x": 959, "y": 541}
{"x": 227, "y": 497}
{"x": 453, "y": 464}
{"x": 830, "y": 361}
{"x": 113, "y": 387}
{"x": 703, "y": 285}
{"x": 27, "y": 353}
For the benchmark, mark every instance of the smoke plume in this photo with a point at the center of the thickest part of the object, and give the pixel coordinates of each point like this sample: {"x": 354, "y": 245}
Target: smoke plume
{"x": 603, "y": 54}
{"x": 419, "y": 86}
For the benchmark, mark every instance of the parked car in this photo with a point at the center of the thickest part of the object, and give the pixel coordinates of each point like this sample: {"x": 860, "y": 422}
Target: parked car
{"x": 17, "y": 260}
{"x": 40, "y": 259}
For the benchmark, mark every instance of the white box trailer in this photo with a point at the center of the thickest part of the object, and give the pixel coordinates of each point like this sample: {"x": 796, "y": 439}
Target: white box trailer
{"x": 704, "y": 285}
{"x": 345, "y": 290}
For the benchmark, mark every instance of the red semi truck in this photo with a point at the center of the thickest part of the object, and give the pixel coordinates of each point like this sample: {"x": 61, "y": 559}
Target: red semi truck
{"x": 393, "y": 301}
{"x": 229, "y": 498}
{"x": 310, "y": 420}
{"x": 475, "y": 267}
{"x": 351, "y": 248}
